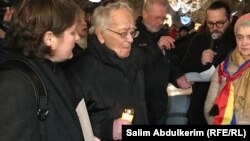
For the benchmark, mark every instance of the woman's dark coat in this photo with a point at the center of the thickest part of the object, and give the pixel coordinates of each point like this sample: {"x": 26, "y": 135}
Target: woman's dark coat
{"x": 18, "y": 106}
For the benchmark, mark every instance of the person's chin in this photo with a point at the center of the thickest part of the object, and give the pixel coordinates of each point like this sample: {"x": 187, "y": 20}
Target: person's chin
{"x": 155, "y": 29}
{"x": 125, "y": 55}
{"x": 70, "y": 56}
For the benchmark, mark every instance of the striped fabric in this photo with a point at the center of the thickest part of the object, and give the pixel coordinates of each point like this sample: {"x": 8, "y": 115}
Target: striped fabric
{"x": 225, "y": 99}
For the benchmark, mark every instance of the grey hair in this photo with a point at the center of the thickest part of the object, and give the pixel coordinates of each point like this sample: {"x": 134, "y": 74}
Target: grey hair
{"x": 101, "y": 16}
{"x": 148, "y": 3}
{"x": 245, "y": 23}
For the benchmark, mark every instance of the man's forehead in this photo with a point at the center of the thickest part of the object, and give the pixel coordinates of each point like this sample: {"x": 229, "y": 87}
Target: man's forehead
{"x": 158, "y": 11}
{"x": 218, "y": 13}
{"x": 216, "y": 18}
{"x": 121, "y": 23}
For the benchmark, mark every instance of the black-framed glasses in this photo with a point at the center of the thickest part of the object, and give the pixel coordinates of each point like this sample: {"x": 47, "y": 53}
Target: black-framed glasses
{"x": 123, "y": 35}
{"x": 218, "y": 24}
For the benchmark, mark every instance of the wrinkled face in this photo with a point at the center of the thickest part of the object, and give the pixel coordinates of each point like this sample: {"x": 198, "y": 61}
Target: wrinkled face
{"x": 154, "y": 17}
{"x": 217, "y": 21}
{"x": 118, "y": 35}
{"x": 63, "y": 45}
{"x": 243, "y": 40}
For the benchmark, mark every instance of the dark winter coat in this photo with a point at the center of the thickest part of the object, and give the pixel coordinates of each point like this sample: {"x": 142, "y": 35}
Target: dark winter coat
{"x": 18, "y": 105}
{"x": 109, "y": 85}
{"x": 181, "y": 45}
{"x": 157, "y": 74}
{"x": 3, "y": 50}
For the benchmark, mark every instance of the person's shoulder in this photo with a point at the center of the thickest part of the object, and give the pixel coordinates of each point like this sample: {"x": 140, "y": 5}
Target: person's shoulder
{"x": 82, "y": 59}
{"x": 199, "y": 38}
{"x": 14, "y": 81}
{"x": 199, "y": 35}
{"x": 83, "y": 64}
{"x": 10, "y": 74}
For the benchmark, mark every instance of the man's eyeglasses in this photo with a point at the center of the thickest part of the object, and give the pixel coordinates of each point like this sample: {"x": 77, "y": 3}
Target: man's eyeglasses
{"x": 123, "y": 35}
{"x": 218, "y": 24}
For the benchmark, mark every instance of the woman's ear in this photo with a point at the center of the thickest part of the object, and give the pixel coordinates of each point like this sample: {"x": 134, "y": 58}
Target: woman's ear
{"x": 99, "y": 34}
{"x": 48, "y": 39}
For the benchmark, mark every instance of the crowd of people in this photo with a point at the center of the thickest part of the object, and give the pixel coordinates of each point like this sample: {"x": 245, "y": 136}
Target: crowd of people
{"x": 90, "y": 76}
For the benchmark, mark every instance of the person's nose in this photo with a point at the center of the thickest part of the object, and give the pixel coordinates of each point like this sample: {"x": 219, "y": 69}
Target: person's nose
{"x": 77, "y": 37}
{"x": 130, "y": 38}
{"x": 245, "y": 42}
{"x": 215, "y": 27}
{"x": 84, "y": 23}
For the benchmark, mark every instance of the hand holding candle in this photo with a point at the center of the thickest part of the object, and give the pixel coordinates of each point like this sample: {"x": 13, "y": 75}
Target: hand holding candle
{"x": 128, "y": 114}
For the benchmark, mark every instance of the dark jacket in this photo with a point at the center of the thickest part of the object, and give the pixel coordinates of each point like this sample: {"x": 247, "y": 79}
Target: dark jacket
{"x": 158, "y": 73}
{"x": 181, "y": 45}
{"x": 77, "y": 50}
{"x": 109, "y": 85}
{"x": 3, "y": 50}
{"x": 18, "y": 105}
{"x": 192, "y": 63}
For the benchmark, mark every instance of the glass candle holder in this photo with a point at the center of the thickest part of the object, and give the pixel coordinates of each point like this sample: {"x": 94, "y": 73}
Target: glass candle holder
{"x": 128, "y": 114}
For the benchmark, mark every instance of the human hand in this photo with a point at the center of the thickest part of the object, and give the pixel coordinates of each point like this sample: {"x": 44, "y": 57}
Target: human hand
{"x": 8, "y": 14}
{"x": 207, "y": 56}
{"x": 96, "y": 138}
{"x": 183, "y": 83}
{"x": 166, "y": 42}
{"x": 117, "y": 128}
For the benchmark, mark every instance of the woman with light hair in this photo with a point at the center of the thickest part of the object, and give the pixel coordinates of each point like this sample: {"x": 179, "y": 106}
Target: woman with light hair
{"x": 228, "y": 99}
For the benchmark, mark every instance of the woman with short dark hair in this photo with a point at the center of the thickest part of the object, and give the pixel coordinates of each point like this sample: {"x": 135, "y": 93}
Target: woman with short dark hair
{"x": 42, "y": 34}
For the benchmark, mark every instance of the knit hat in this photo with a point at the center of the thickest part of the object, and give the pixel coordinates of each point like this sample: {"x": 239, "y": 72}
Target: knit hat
{"x": 243, "y": 20}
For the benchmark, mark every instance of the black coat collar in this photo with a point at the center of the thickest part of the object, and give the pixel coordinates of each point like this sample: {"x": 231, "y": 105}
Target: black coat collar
{"x": 108, "y": 56}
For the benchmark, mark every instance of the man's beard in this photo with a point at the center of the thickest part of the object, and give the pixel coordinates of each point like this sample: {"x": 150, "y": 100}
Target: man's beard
{"x": 151, "y": 29}
{"x": 219, "y": 34}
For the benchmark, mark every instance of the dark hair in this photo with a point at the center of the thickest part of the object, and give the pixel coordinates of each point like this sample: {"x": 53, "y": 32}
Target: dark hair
{"x": 33, "y": 18}
{"x": 184, "y": 28}
{"x": 220, "y": 4}
{"x": 148, "y": 3}
{"x": 8, "y": 3}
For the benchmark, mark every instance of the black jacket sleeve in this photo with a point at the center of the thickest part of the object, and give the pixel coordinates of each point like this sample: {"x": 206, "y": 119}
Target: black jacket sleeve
{"x": 192, "y": 60}
{"x": 146, "y": 55}
{"x": 175, "y": 68}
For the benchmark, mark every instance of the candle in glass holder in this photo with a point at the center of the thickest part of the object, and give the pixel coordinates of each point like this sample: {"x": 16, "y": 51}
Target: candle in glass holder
{"x": 128, "y": 114}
